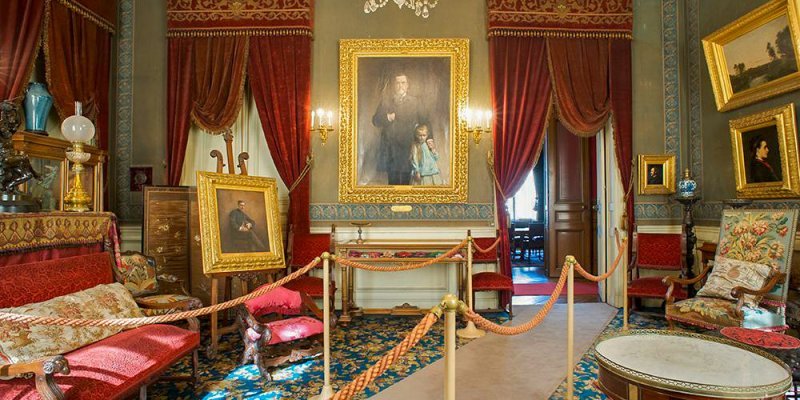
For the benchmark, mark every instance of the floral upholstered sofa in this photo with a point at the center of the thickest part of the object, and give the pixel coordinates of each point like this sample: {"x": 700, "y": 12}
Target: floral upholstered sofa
{"x": 62, "y": 264}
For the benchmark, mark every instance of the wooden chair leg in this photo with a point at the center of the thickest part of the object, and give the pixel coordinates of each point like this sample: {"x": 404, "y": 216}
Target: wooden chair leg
{"x": 143, "y": 393}
{"x": 195, "y": 366}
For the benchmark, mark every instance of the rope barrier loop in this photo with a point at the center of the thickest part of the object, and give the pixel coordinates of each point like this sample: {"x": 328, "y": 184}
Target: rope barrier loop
{"x": 486, "y": 250}
{"x": 402, "y": 266}
{"x": 134, "y": 322}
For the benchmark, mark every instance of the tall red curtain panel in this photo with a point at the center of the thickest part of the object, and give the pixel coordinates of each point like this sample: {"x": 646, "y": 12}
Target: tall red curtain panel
{"x": 78, "y": 59}
{"x": 588, "y": 59}
{"x": 267, "y": 41}
{"x": 20, "y": 36}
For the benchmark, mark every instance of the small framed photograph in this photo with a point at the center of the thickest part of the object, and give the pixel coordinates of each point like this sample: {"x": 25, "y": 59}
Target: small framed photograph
{"x": 141, "y": 176}
{"x": 765, "y": 157}
{"x": 240, "y": 226}
{"x": 755, "y": 56}
{"x": 656, "y": 174}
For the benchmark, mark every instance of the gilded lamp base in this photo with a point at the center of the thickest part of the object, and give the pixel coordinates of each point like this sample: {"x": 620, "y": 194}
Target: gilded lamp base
{"x": 77, "y": 199}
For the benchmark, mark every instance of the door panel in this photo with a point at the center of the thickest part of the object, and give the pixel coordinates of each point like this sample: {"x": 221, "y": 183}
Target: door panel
{"x": 569, "y": 211}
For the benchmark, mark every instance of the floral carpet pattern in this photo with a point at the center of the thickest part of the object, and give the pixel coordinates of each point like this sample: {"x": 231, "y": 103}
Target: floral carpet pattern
{"x": 355, "y": 348}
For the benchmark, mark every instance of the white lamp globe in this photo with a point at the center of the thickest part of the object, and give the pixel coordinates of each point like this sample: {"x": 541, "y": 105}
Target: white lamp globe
{"x": 77, "y": 128}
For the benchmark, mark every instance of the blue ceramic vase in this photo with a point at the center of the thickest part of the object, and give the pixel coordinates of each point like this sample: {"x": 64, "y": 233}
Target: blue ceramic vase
{"x": 37, "y": 107}
{"x": 687, "y": 185}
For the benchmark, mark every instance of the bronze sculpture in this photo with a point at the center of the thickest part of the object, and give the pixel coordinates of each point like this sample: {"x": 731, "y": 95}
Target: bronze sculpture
{"x": 15, "y": 168}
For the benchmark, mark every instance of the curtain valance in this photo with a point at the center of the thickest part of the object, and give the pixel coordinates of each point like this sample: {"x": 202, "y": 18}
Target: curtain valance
{"x": 239, "y": 17}
{"x": 562, "y": 18}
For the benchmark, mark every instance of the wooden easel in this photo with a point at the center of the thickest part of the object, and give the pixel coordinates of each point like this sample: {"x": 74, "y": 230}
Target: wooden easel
{"x": 245, "y": 278}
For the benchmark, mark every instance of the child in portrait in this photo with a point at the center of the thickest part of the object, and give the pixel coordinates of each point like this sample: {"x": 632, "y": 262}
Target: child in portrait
{"x": 424, "y": 169}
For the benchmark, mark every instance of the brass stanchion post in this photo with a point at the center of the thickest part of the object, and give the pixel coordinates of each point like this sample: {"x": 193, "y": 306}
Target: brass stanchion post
{"x": 570, "y": 324}
{"x": 625, "y": 291}
{"x": 450, "y": 305}
{"x": 470, "y": 331}
{"x": 327, "y": 389}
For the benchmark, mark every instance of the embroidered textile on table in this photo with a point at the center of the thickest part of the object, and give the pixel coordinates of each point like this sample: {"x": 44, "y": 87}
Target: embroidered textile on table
{"x": 235, "y": 17}
{"x": 28, "y": 232}
{"x": 564, "y": 18}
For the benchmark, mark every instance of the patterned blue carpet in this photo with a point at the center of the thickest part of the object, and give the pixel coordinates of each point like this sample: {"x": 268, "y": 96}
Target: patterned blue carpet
{"x": 354, "y": 349}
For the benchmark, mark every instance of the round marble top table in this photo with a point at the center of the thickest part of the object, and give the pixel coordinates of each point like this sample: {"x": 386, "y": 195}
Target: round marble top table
{"x": 655, "y": 364}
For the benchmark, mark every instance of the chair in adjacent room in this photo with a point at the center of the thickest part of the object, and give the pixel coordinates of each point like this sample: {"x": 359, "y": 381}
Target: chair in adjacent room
{"x": 488, "y": 280}
{"x": 155, "y": 292}
{"x": 749, "y": 283}
{"x": 659, "y": 253}
{"x": 301, "y": 249}
{"x": 535, "y": 240}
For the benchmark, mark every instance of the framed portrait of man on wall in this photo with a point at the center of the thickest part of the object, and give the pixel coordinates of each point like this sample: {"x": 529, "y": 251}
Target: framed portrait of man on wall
{"x": 239, "y": 223}
{"x": 401, "y": 140}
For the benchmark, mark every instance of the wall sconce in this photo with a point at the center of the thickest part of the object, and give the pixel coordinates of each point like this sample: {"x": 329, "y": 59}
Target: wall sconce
{"x": 322, "y": 122}
{"x": 477, "y": 123}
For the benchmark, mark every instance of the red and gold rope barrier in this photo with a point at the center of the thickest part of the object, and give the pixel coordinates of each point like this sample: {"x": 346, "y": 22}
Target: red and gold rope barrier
{"x": 488, "y": 249}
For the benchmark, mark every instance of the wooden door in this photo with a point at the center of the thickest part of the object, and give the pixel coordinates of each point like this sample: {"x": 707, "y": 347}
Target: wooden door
{"x": 569, "y": 199}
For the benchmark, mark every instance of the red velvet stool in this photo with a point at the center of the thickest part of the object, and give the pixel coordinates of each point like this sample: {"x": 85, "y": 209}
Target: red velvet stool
{"x": 493, "y": 281}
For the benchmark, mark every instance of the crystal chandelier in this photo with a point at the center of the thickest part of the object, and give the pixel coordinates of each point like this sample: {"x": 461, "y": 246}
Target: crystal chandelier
{"x": 420, "y": 7}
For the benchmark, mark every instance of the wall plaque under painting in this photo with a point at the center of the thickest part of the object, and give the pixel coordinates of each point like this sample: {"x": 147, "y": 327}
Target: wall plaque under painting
{"x": 239, "y": 223}
{"x": 401, "y": 139}
{"x": 765, "y": 156}
{"x": 754, "y": 57}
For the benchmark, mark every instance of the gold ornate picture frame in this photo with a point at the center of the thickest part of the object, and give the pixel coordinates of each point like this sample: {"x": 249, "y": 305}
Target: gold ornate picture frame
{"x": 754, "y": 57}
{"x": 401, "y": 139}
{"x": 240, "y": 225}
{"x": 765, "y": 155}
{"x": 656, "y": 174}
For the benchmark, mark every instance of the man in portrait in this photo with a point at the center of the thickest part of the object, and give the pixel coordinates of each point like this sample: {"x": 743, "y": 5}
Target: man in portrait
{"x": 760, "y": 169}
{"x": 397, "y": 115}
{"x": 655, "y": 176}
{"x": 242, "y": 231}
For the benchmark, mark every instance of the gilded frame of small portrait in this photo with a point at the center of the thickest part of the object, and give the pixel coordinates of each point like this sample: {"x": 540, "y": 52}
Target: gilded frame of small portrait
{"x": 656, "y": 174}
{"x": 744, "y": 70}
{"x": 765, "y": 155}
{"x": 401, "y": 139}
{"x": 240, "y": 225}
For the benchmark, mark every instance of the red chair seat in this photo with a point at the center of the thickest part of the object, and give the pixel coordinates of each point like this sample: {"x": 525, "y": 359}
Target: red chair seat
{"x": 484, "y": 281}
{"x": 287, "y": 330}
{"x": 310, "y": 285}
{"x": 115, "y": 367}
{"x": 653, "y": 287}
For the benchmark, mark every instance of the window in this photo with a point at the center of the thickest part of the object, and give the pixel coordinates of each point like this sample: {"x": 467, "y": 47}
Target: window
{"x": 521, "y": 206}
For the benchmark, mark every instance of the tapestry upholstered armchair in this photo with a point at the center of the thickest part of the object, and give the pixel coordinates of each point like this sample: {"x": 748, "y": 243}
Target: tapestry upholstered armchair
{"x": 748, "y": 284}
{"x": 155, "y": 292}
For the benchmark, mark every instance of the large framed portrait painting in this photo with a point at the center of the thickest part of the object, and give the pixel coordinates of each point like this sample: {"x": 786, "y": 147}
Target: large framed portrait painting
{"x": 239, "y": 223}
{"x": 765, "y": 155}
{"x": 401, "y": 140}
{"x": 755, "y": 56}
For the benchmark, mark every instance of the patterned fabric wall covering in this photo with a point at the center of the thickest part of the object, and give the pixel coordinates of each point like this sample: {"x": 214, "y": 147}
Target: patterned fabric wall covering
{"x": 561, "y": 18}
{"x": 20, "y": 232}
{"x": 102, "y": 13}
{"x": 419, "y": 212}
{"x": 239, "y": 17}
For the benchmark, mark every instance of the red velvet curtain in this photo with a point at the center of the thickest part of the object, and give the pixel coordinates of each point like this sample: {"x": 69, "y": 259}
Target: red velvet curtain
{"x": 280, "y": 77}
{"x": 521, "y": 100}
{"x": 20, "y": 34}
{"x": 78, "y": 56}
{"x": 217, "y": 88}
{"x": 179, "y": 104}
{"x": 622, "y": 106}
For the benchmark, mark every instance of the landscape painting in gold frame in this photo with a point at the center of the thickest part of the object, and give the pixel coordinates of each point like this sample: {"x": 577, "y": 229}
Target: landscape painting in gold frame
{"x": 656, "y": 174}
{"x": 240, "y": 226}
{"x": 754, "y": 57}
{"x": 401, "y": 139}
{"x": 765, "y": 155}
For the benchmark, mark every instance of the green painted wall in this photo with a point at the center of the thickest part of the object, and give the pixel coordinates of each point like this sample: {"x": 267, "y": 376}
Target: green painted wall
{"x": 336, "y": 20}
{"x": 719, "y": 180}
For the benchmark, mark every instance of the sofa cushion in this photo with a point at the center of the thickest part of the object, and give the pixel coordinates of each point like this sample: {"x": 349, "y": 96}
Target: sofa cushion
{"x": 729, "y": 273}
{"x": 136, "y": 273}
{"x": 26, "y": 342}
{"x": 114, "y": 367}
{"x": 42, "y": 280}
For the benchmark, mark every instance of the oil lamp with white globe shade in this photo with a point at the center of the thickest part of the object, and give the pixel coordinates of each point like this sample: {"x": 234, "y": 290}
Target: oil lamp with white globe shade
{"x": 78, "y": 130}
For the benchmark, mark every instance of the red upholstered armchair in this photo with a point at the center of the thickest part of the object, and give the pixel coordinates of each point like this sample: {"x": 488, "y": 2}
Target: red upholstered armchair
{"x": 660, "y": 252}
{"x": 490, "y": 281}
{"x": 301, "y": 249}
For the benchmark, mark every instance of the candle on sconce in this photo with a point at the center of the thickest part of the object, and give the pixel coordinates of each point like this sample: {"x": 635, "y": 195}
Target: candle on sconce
{"x": 468, "y": 114}
{"x": 320, "y": 115}
{"x": 330, "y": 118}
{"x": 313, "y": 114}
{"x": 488, "y": 115}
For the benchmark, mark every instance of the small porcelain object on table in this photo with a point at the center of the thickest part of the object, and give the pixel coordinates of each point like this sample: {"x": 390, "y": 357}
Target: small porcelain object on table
{"x": 687, "y": 185}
